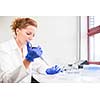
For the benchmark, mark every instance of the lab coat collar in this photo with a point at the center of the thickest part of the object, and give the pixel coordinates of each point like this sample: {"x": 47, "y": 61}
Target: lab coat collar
{"x": 9, "y": 45}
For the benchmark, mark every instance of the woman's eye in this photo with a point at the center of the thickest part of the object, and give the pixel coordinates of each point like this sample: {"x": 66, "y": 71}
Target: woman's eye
{"x": 28, "y": 33}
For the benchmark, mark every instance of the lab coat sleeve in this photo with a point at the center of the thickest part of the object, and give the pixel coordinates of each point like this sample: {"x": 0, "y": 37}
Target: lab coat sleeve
{"x": 39, "y": 66}
{"x": 12, "y": 69}
{"x": 13, "y": 77}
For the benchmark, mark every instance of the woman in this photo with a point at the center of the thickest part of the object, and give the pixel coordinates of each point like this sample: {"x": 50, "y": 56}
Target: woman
{"x": 15, "y": 62}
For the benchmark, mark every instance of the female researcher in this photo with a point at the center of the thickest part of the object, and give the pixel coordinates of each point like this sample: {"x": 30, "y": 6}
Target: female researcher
{"x": 15, "y": 62}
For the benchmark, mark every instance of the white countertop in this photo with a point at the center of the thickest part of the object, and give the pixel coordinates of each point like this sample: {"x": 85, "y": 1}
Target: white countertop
{"x": 81, "y": 76}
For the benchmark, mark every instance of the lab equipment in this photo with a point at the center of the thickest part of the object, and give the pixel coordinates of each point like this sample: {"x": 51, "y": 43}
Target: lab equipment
{"x": 53, "y": 70}
{"x": 69, "y": 69}
{"x": 44, "y": 60}
{"x": 33, "y": 52}
{"x": 91, "y": 70}
{"x": 82, "y": 62}
{"x": 78, "y": 64}
{"x": 30, "y": 45}
{"x": 91, "y": 67}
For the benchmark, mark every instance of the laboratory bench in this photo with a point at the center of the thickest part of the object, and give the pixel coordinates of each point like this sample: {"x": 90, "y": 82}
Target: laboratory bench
{"x": 70, "y": 76}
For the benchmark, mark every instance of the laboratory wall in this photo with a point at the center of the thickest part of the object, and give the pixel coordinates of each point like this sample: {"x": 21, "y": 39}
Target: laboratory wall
{"x": 5, "y": 32}
{"x": 57, "y": 35}
{"x": 83, "y": 39}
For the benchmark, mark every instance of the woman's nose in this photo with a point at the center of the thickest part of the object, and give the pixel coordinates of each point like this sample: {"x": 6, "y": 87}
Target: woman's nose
{"x": 31, "y": 37}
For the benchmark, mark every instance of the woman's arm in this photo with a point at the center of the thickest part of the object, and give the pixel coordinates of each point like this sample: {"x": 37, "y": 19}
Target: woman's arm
{"x": 14, "y": 76}
{"x": 26, "y": 63}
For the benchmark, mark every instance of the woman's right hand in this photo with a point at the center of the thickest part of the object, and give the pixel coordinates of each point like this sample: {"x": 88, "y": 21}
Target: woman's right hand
{"x": 33, "y": 52}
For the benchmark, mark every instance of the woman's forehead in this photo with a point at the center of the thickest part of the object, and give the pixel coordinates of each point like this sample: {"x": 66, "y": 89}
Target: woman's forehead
{"x": 31, "y": 28}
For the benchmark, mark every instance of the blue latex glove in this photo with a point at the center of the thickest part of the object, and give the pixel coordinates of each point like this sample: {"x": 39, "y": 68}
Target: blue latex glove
{"x": 33, "y": 52}
{"x": 53, "y": 70}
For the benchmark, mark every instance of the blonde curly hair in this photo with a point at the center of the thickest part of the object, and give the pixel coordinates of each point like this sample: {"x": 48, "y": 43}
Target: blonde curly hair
{"x": 22, "y": 23}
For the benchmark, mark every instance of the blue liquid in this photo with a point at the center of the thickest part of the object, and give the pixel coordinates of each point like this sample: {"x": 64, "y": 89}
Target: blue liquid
{"x": 92, "y": 68}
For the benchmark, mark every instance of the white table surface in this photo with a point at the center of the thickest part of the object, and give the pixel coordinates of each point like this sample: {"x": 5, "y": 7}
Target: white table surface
{"x": 81, "y": 76}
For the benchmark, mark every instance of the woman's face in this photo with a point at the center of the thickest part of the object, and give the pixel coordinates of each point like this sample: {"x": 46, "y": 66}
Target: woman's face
{"x": 26, "y": 34}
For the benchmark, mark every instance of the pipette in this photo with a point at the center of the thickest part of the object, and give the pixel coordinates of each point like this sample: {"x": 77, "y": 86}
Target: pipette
{"x": 44, "y": 60}
{"x": 41, "y": 56}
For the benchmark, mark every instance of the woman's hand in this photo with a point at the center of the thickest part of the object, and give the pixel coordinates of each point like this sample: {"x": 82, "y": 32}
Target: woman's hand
{"x": 53, "y": 70}
{"x": 33, "y": 52}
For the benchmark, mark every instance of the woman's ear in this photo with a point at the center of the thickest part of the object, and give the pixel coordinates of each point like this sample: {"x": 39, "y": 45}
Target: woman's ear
{"x": 17, "y": 31}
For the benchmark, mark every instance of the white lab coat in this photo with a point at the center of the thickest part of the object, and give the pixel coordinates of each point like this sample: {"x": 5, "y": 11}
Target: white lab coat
{"x": 12, "y": 69}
